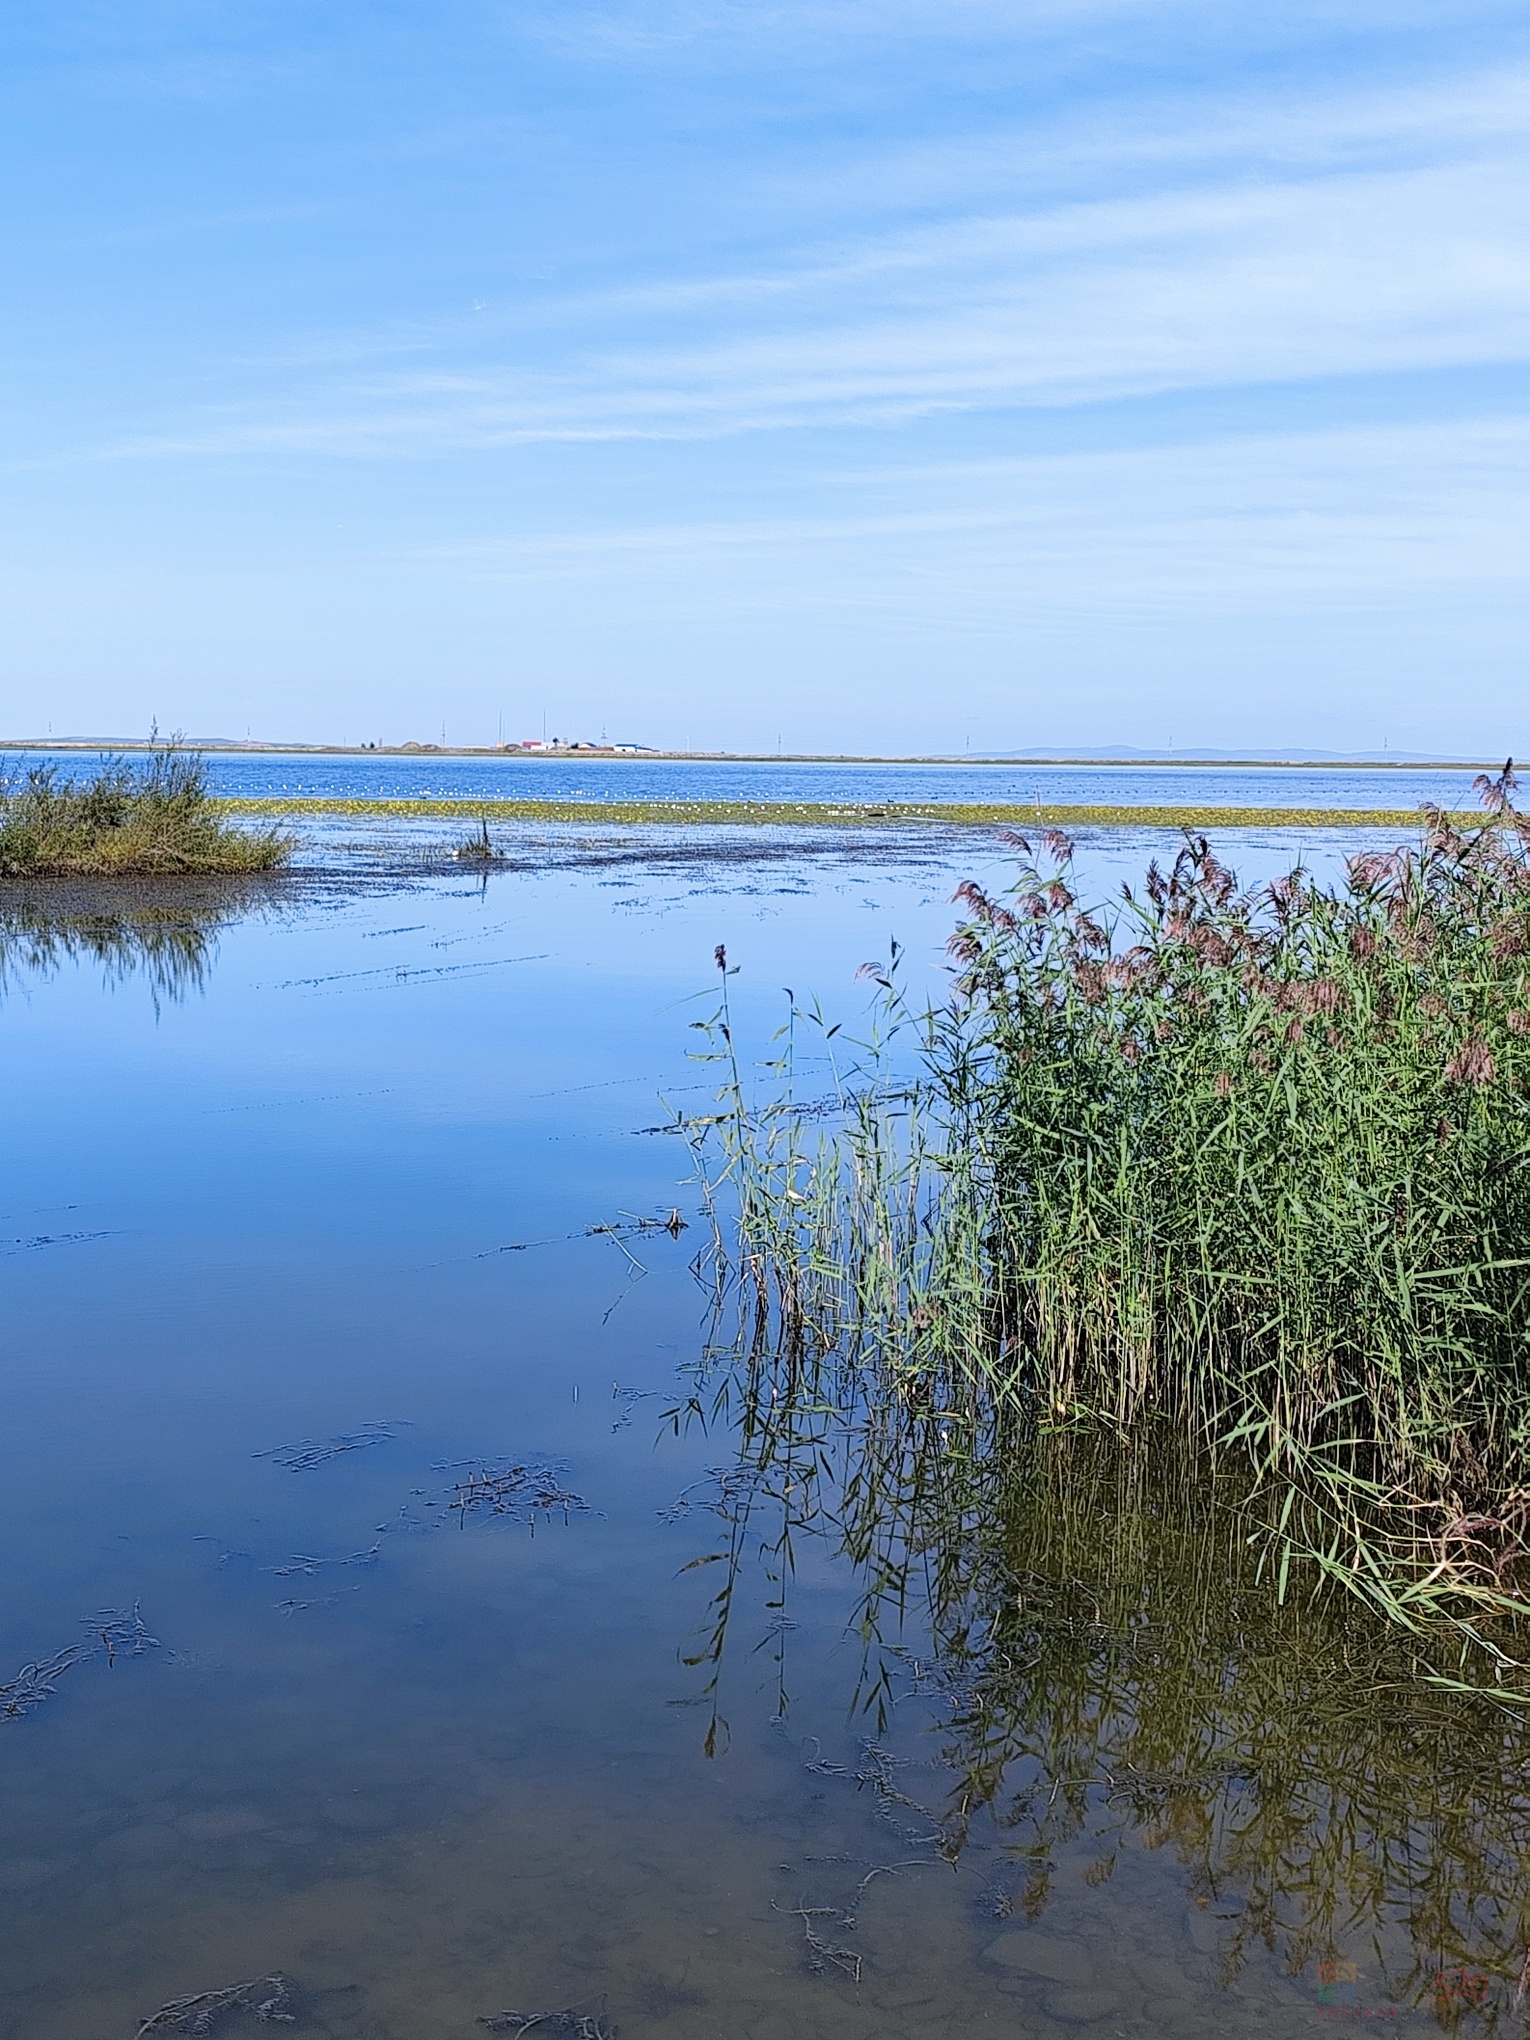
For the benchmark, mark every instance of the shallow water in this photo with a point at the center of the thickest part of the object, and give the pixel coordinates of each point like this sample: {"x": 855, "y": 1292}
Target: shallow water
{"x": 337, "y": 1169}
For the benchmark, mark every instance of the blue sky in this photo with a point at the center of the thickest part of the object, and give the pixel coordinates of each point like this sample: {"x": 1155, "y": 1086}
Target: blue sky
{"x": 895, "y": 376}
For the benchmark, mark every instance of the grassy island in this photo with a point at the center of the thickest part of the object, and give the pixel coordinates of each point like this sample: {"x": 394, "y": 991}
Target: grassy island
{"x": 835, "y": 814}
{"x": 129, "y": 821}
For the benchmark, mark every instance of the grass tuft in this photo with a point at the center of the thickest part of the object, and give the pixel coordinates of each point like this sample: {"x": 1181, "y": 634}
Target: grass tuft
{"x": 478, "y": 849}
{"x": 156, "y": 820}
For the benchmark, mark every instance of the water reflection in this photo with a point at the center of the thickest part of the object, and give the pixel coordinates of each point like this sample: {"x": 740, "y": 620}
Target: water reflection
{"x": 458, "y": 1780}
{"x": 166, "y": 934}
{"x": 1081, "y": 1638}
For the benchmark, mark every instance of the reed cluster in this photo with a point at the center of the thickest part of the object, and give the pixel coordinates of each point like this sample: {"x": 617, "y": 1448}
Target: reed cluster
{"x": 155, "y": 819}
{"x": 1251, "y": 1165}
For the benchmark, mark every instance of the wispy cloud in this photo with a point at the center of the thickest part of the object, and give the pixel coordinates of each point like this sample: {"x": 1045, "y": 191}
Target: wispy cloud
{"x": 1364, "y": 234}
{"x": 1209, "y": 287}
{"x": 622, "y": 27}
{"x": 1341, "y": 519}
{"x": 1128, "y": 140}
{"x": 738, "y": 262}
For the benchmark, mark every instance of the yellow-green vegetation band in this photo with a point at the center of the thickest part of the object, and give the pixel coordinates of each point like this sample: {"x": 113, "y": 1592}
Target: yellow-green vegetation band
{"x": 848, "y": 814}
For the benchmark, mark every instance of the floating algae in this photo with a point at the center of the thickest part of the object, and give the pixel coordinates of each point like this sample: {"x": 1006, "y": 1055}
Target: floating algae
{"x": 294, "y": 1607}
{"x": 304, "y": 1564}
{"x": 35, "y": 1683}
{"x": 519, "y": 1489}
{"x": 39, "y": 1240}
{"x": 625, "y": 1228}
{"x": 308, "y": 1452}
{"x": 719, "y": 1489}
{"x": 113, "y": 1631}
{"x": 119, "y": 1629}
{"x": 629, "y": 1398}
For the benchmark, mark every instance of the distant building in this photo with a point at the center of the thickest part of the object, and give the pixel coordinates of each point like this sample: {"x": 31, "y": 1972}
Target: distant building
{"x": 572, "y": 744}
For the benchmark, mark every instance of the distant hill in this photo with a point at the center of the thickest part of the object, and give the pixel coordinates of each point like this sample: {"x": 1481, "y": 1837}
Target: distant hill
{"x": 1126, "y": 754}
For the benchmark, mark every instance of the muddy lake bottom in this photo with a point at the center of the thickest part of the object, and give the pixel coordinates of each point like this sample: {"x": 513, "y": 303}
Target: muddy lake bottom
{"x": 353, "y": 1571}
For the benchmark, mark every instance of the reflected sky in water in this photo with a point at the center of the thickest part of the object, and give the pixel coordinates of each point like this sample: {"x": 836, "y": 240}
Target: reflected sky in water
{"x": 432, "y": 1765}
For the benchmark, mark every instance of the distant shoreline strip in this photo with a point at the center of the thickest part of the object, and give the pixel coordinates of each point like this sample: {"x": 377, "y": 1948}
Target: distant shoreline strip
{"x": 839, "y": 814}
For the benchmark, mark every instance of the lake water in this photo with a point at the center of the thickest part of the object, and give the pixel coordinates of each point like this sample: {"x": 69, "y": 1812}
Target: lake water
{"x": 624, "y": 779}
{"x": 300, "y": 1280}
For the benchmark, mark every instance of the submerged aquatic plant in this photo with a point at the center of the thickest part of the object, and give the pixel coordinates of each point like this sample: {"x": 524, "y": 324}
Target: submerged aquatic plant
{"x": 1248, "y": 1165}
{"x": 479, "y": 848}
{"x": 128, "y": 821}
{"x": 572, "y": 2024}
{"x": 202, "y": 2011}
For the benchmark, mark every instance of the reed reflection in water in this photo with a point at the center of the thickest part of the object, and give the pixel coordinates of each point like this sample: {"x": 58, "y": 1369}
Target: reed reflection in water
{"x": 1078, "y": 1636}
{"x": 165, "y": 933}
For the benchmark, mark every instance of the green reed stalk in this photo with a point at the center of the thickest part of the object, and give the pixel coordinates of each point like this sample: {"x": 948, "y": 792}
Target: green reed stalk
{"x": 1253, "y": 1165}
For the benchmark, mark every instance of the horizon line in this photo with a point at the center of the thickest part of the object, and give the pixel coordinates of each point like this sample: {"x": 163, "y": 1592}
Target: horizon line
{"x": 626, "y": 754}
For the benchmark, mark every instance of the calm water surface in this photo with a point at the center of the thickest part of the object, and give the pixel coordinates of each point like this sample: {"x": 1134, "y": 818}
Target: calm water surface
{"x": 624, "y": 779}
{"x": 320, "y": 1173}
